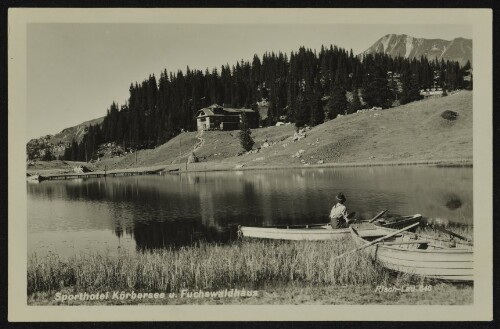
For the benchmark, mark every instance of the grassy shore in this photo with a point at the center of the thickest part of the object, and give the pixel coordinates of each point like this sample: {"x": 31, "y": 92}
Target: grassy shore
{"x": 279, "y": 271}
{"x": 214, "y": 166}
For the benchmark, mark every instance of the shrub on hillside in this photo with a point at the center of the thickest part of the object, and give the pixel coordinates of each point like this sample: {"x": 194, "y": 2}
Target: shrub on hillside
{"x": 449, "y": 115}
{"x": 246, "y": 139}
{"x": 299, "y": 124}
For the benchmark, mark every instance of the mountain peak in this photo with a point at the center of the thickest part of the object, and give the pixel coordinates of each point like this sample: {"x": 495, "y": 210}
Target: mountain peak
{"x": 458, "y": 49}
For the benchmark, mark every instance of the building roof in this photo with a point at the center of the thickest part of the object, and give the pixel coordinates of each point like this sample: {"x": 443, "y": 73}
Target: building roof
{"x": 238, "y": 110}
{"x": 205, "y": 112}
{"x": 209, "y": 111}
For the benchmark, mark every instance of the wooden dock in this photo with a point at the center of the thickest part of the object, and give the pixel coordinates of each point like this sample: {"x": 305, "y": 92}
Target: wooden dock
{"x": 98, "y": 174}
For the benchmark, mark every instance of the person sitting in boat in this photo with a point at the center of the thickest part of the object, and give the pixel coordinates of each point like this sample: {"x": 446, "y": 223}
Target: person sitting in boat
{"x": 338, "y": 214}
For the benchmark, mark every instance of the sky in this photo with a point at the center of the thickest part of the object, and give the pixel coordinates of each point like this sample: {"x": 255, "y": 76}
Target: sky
{"x": 76, "y": 70}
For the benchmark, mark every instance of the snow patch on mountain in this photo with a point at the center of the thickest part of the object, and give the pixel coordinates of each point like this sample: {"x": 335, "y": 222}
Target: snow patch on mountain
{"x": 443, "y": 52}
{"x": 386, "y": 41}
{"x": 409, "y": 45}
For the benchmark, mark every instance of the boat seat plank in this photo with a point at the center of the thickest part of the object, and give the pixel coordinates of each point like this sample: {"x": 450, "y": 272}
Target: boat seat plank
{"x": 375, "y": 235}
{"x": 395, "y": 243}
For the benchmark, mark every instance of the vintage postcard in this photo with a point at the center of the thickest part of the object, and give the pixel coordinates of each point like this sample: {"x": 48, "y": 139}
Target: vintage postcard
{"x": 250, "y": 164}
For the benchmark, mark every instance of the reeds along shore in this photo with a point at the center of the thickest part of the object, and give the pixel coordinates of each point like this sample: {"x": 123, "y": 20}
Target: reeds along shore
{"x": 210, "y": 266}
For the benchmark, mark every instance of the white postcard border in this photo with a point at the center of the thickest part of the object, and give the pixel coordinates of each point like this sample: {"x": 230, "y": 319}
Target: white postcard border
{"x": 479, "y": 19}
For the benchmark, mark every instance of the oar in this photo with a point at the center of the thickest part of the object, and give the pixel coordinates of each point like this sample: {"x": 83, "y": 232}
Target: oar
{"x": 377, "y": 216}
{"x": 450, "y": 233}
{"x": 378, "y": 240}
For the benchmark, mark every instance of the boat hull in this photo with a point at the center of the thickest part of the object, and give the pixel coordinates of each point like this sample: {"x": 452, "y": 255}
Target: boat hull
{"x": 439, "y": 261}
{"x": 307, "y": 234}
{"x": 315, "y": 232}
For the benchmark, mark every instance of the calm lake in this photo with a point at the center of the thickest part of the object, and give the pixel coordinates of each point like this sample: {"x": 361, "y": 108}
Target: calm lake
{"x": 148, "y": 212}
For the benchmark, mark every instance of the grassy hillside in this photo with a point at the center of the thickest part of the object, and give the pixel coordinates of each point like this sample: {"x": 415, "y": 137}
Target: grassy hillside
{"x": 408, "y": 133}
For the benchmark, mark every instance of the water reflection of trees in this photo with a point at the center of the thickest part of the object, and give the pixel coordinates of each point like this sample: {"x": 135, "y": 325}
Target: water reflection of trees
{"x": 156, "y": 234}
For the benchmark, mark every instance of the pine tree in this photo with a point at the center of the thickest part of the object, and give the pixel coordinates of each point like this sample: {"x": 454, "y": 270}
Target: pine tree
{"x": 355, "y": 103}
{"x": 74, "y": 150}
{"x": 48, "y": 156}
{"x": 376, "y": 90}
{"x": 67, "y": 153}
{"x": 410, "y": 91}
{"x": 394, "y": 87}
{"x": 246, "y": 139}
{"x": 337, "y": 104}
{"x": 317, "y": 113}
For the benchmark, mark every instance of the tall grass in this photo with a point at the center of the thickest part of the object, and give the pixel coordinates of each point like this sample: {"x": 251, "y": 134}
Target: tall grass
{"x": 467, "y": 231}
{"x": 207, "y": 266}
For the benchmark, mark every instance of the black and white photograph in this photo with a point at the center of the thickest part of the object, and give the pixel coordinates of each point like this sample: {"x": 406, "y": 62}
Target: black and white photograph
{"x": 332, "y": 159}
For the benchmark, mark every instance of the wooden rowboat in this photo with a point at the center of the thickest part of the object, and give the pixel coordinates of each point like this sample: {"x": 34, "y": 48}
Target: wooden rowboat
{"x": 315, "y": 232}
{"x": 417, "y": 254}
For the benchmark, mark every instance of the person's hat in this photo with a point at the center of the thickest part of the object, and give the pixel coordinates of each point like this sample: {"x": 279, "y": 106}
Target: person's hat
{"x": 340, "y": 197}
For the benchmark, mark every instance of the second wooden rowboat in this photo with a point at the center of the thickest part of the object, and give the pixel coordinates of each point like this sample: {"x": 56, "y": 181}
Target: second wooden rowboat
{"x": 417, "y": 254}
